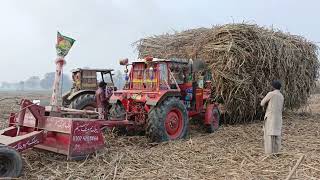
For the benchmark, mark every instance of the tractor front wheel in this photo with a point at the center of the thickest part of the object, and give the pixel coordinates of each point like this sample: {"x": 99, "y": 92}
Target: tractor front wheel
{"x": 10, "y": 162}
{"x": 168, "y": 121}
{"x": 117, "y": 112}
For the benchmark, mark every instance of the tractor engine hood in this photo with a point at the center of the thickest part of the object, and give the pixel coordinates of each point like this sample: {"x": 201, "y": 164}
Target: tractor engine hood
{"x": 148, "y": 97}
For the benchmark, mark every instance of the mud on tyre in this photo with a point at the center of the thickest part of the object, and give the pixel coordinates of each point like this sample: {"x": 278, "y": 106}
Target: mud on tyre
{"x": 167, "y": 121}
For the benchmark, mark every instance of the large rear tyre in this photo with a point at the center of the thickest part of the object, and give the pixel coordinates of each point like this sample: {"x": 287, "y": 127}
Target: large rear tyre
{"x": 85, "y": 101}
{"x": 10, "y": 162}
{"x": 168, "y": 121}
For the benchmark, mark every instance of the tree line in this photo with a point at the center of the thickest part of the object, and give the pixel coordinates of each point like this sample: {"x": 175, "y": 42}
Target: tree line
{"x": 45, "y": 83}
{"x": 37, "y": 83}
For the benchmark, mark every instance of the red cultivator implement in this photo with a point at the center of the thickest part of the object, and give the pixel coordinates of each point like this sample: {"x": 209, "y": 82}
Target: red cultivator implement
{"x": 35, "y": 127}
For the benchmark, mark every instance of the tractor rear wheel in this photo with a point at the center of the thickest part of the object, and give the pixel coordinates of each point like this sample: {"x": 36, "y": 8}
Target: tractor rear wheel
{"x": 214, "y": 121}
{"x": 10, "y": 162}
{"x": 168, "y": 121}
{"x": 84, "y": 102}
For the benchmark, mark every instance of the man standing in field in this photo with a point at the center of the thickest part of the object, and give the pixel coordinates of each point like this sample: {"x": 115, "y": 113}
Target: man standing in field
{"x": 273, "y": 119}
{"x": 101, "y": 100}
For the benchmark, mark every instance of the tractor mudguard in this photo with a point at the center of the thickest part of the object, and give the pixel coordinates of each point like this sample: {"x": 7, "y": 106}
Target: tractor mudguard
{"x": 78, "y": 93}
{"x": 66, "y": 95}
{"x": 161, "y": 97}
{"x": 150, "y": 100}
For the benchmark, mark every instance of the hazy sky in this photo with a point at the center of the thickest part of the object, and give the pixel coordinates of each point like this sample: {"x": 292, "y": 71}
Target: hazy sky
{"x": 106, "y": 29}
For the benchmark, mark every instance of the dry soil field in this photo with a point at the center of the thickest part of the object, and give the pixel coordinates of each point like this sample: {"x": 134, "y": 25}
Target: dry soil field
{"x": 234, "y": 152}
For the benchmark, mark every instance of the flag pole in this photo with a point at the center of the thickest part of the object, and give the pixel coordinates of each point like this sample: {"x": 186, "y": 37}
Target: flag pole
{"x": 60, "y": 62}
{"x": 63, "y": 46}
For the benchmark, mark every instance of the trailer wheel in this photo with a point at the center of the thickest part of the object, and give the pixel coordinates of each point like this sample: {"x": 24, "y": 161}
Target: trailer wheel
{"x": 10, "y": 162}
{"x": 168, "y": 121}
{"x": 214, "y": 121}
{"x": 85, "y": 101}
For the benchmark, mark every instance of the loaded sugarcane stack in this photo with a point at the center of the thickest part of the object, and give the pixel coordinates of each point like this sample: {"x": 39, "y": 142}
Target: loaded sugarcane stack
{"x": 244, "y": 59}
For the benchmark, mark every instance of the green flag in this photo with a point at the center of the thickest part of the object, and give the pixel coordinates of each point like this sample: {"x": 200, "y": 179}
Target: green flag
{"x": 63, "y": 45}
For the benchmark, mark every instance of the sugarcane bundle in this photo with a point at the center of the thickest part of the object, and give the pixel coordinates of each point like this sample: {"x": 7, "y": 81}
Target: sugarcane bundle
{"x": 244, "y": 59}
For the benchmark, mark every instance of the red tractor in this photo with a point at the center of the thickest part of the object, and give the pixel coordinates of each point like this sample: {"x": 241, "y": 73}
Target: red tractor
{"x": 160, "y": 96}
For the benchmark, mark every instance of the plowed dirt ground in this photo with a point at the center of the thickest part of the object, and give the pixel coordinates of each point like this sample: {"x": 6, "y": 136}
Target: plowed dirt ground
{"x": 233, "y": 152}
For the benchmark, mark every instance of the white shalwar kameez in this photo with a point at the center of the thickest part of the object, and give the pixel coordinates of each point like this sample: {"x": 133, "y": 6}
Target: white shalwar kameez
{"x": 273, "y": 121}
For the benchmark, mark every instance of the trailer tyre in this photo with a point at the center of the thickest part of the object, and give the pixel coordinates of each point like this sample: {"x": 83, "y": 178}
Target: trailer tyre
{"x": 10, "y": 162}
{"x": 85, "y": 101}
{"x": 168, "y": 121}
